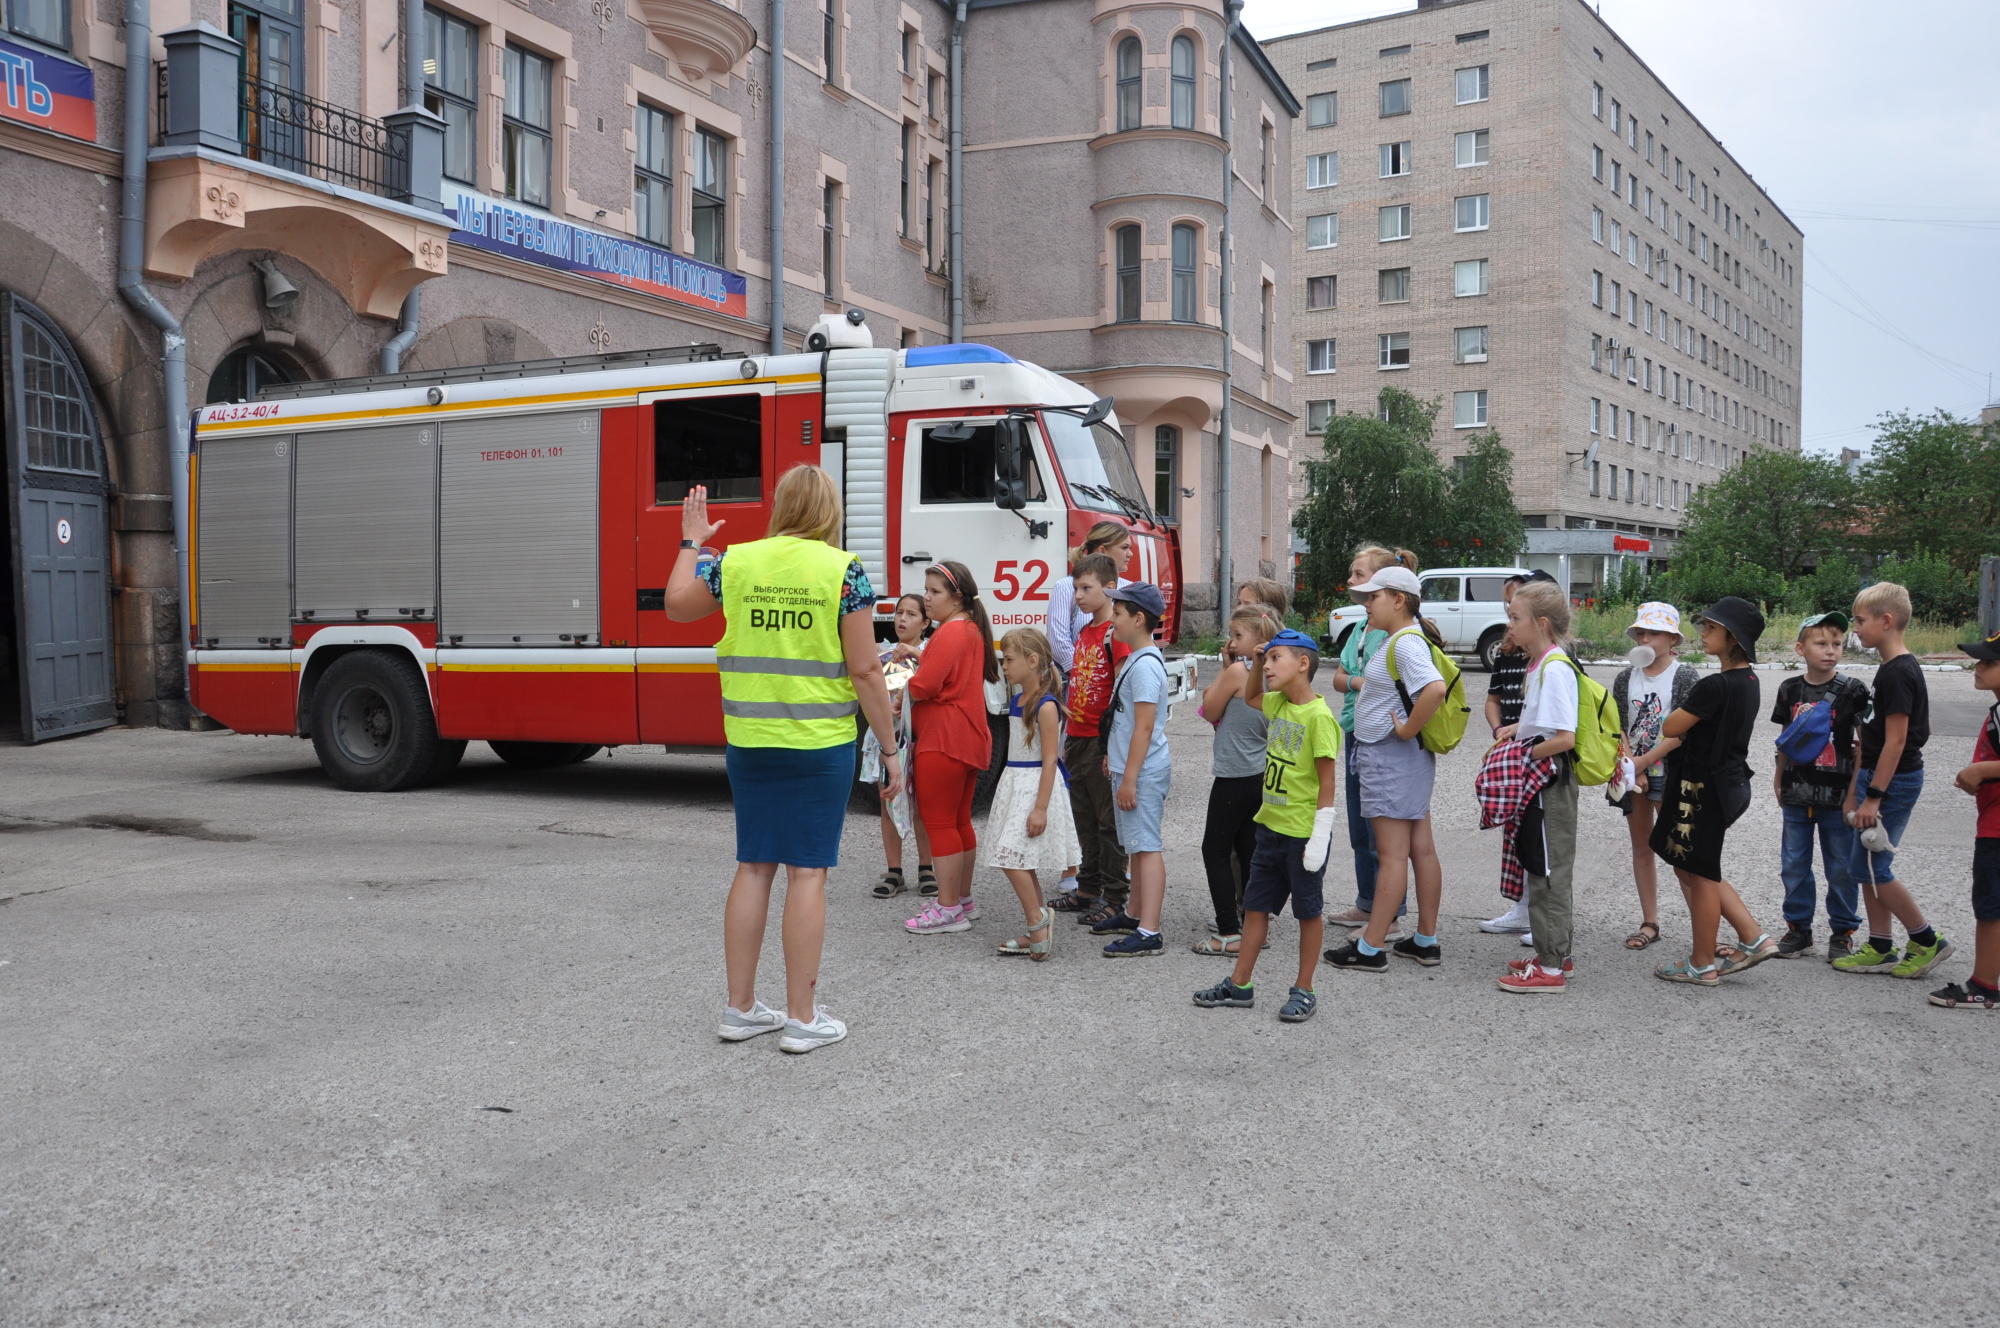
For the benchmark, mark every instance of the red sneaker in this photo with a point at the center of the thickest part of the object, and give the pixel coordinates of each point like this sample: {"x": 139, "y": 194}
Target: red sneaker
{"x": 1530, "y": 978}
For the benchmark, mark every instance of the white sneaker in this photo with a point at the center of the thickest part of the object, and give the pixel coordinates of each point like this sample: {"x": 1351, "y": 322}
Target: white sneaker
{"x": 1396, "y": 933}
{"x": 737, "y": 1026}
{"x": 800, "y": 1038}
{"x": 1514, "y": 919}
{"x": 1528, "y": 939}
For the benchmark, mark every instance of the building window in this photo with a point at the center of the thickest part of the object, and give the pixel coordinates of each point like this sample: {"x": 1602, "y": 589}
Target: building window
{"x": 1183, "y": 83}
{"x": 44, "y": 21}
{"x": 1392, "y": 285}
{"x": 931, "y": 88}
{"x": 1126, "y": 240}
{"x": 1131, "y": 83}
{"x": 1323, "y": 231}
{"x": 1597, "y": 100}
{"x": 653, "y": 175}
{"x": 1597, "y": 289}
{"x": 1597, "y": 225}
{"x": 829, "y": 238}
{"x": 1318, "y": 415}
{"x": 1617, "y": 117}
{"x": 1468, "y": 277}
{"x": 1396, "y": 97}
{"x": 930, "y": 214}
{"x": 240, "y": 377}
{"x": 1472, "y": 85}
{"x": 1596, "y": 414}
{"x": 1266, "y": 154}
{"x": 1395, "y": 159}
{"x": 528, "y": 145}
{"x": 1468, "y": 410}
{"x": 1320, "y": 357}
{"x": 1185, "y": 287}
{"x": 1473, "y": 213}
{"x": 1320, "y": 292}
{"x": 909, "y": 52}
{"x": 1596, "y": 478}
{"x": 1323, "y": 170}
{"x": 1393, "y": 223}
{"x": 1474, "y": 148}
{"x": 1597, "y": 164}
{"x": 1597, "y": 350}
{"x": 830, "y": 39}
{"x": 1166, "y": 470}
{"x": 1472, "y": 345}
{"x": 451, "y": 69}
{"x": 1267, "y": 322}
{"x": 711, "y": 187}
{"x": 903, "y": 208}
{"x": 1392, "y": 350}
{"x": 1322, "y": 110}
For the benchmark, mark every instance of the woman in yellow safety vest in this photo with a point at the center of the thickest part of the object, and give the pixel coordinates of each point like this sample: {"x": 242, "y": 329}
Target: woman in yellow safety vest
{"x": 797, "y": 661}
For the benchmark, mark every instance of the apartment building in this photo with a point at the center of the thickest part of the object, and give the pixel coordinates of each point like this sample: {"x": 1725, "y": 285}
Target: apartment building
{"x": 1501, "y": 206}
{"x": 337, "y": 186}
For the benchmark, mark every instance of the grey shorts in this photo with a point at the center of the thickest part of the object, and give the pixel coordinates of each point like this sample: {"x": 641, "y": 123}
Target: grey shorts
{"x": 1139, "y": 829}
{"x": 1396, "y": 775}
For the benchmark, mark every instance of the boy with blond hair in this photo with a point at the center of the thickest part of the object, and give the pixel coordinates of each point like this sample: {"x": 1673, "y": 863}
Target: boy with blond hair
{"x": 1889, "y": 776}
{"x": 1811, "y": 792}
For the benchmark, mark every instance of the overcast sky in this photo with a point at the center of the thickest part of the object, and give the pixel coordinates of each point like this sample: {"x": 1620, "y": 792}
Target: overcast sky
{"x": 1876, "y": 127}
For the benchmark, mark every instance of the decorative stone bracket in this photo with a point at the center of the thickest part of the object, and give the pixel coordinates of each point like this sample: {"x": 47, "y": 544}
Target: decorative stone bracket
{"x": 707, "y": 38}
{"x": 373, "y": 252}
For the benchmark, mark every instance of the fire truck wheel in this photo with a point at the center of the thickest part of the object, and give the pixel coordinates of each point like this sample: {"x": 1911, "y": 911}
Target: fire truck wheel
{"x": 450, "y": 752}
{"x": 372, "y": 724}
{"x": 542, "y": 755}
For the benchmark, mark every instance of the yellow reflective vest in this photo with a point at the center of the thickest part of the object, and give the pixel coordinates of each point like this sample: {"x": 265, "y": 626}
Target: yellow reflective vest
{"x": 784, "y": 675}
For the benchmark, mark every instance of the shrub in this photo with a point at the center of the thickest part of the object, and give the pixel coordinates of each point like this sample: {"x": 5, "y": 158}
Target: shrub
{"x": 1939, "y": 592}
{"x": 1695, "y": 582}
{"x": 1829, "y": 586}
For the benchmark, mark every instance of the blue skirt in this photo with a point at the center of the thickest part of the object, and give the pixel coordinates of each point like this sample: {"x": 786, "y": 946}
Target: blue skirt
{"x": 790, "y": 804}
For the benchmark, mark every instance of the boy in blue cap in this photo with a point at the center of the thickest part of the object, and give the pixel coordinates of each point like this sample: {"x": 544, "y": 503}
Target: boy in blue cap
{"x": 1135, "y": 755}
{"x": 1295, "y": 824}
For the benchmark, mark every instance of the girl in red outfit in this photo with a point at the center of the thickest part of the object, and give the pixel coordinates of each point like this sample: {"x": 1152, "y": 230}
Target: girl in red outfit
{"x": 953, "y": 742}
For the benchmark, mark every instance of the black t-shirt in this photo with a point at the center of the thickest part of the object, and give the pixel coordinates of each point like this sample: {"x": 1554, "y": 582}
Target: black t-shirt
{"x": 1900, "y": 689}
{"x": 1510, "y": 671}
{"x": 1719, "y": 746}
{"x": 1824, "y": 782}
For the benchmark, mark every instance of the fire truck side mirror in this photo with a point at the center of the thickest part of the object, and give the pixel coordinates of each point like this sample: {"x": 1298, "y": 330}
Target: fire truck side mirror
{"x": 1010, "y": 463}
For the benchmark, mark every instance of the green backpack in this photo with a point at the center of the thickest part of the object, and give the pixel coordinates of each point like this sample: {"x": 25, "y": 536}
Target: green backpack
{"x": 1446, "y": 726}
{"x": 1598, "y": 727}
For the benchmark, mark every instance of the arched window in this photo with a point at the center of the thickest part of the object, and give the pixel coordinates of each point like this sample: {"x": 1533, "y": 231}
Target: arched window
{"x": 1126, "y": 239}
{"x": 243, "y": 373}
{"x": 1131, "y": 83}
{"x": 1183, "y": 71}
{"x": 1185, "y": 288}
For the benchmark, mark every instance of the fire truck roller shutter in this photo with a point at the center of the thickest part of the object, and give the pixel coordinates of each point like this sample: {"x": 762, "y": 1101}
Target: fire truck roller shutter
{"x": 517, "y": 516}
{"x": 857, "y": 400}
{"x": 243, "y": 542}
{"x": 365, "y": 530}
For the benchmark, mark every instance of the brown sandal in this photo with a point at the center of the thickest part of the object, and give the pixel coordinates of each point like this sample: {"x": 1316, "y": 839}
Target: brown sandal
{"x": 1640, "y": 939}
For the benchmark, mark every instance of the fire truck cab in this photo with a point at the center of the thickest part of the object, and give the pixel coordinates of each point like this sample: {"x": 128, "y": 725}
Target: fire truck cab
{"x": 398, "y": 565}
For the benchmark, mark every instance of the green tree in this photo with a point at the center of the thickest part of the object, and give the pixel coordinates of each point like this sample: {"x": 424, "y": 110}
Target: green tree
{"x": 1933, "y": 482}
{"x": 1379, "y": 479}
{"x": 1939, "y": 592}
{"x": 1695, "y": 581}
{"x": 1776, "y": 510}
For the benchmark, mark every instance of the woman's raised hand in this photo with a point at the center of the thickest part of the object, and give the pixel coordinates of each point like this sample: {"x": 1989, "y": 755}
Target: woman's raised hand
{"x": 694, "y": 516}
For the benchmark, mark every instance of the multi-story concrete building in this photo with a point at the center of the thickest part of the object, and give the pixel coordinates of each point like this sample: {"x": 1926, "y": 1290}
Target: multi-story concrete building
{"x": 556, "y": 177}
{"x": 1500, "y": 205}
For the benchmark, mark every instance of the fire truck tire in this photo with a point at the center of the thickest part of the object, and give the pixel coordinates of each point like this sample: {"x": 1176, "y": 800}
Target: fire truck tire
{"x": 450, "y": 752}
{"x": 372, "y": 725}
{"x": 542, "y": 755}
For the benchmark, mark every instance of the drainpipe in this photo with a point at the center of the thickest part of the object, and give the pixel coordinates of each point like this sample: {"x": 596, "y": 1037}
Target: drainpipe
{"x": 777, "y": 177}
{"x": 957, "y": 77}
{"x": 132, "y": 285}
{"x": 1224, "y": 571}
{"x": 413, "y": 79}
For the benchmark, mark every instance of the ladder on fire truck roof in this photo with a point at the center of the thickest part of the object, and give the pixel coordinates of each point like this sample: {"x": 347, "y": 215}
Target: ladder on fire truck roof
{"x": 486, "y": 373}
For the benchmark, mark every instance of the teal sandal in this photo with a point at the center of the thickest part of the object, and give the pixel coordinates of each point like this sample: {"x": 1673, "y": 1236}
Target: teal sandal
{"x": 1742, "y": 957}
{"x": 1035, "y": 950}
{"x": 1685, "y": 971}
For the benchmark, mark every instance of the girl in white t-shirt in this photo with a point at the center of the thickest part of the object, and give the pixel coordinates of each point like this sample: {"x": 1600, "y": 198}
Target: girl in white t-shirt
{"x": 1646, "y": 693}
{"x": 1538, "y": 619}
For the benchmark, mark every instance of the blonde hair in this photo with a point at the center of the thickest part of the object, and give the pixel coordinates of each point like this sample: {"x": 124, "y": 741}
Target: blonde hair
{"x": 806, "y": 505}
{"x": 1378, "y": 558}
{"x": 1267, "y": 591}
{"x": 1025, "y": 642}
{"x": 1260, "y": 616}
{"x": 1885, "y": 597}
{"x": 1103, "y": 535}
{"x": 1545, "y": 599}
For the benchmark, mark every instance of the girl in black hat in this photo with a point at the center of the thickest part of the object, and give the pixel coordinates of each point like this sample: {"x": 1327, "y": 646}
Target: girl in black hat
{"x": 1706, "y": 743}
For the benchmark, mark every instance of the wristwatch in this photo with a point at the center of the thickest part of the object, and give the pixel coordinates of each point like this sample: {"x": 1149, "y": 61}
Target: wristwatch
{"x": 1876, "y": 793}
{"x": 689, "y": 544}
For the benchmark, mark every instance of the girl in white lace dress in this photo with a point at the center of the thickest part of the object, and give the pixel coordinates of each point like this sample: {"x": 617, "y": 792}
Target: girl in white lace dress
{"x": 1029, "y": 829}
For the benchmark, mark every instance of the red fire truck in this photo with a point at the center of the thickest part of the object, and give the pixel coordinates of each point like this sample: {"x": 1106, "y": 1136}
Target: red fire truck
{"x": 398, "y": 565}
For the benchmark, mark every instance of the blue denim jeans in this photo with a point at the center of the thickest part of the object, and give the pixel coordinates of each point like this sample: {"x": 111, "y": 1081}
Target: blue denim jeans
{"x": 1900, "y": 798}
{"x": 1361, "y": 838}
{"x": 1836, "y": 848}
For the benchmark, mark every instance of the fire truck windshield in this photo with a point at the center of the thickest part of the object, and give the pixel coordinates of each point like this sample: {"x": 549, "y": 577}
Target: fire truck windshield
{"x": 1096, "y": 466}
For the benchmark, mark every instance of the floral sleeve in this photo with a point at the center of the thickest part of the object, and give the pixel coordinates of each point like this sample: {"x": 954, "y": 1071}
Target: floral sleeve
{"x": 711, "y": 576}
{"x": 856, "y": 594}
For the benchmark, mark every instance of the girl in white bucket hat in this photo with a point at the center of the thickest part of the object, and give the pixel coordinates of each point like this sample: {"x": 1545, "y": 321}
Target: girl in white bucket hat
{"x": 1653, "y": 687}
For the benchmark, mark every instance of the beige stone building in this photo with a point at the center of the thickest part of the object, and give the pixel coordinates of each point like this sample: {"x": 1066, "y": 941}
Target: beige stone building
{"x": 1500, "y": 205}
{"x": 571, "y": 177}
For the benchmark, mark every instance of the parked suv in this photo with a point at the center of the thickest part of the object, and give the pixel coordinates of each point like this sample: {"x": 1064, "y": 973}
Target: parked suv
{"x": 1465, "y": 603}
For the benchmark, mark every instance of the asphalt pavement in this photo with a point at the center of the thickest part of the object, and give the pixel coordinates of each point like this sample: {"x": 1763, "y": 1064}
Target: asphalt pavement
{"x": 275, "y": 1054}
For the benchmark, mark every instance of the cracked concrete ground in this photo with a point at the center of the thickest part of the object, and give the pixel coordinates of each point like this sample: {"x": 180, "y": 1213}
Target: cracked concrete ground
{"x": 275, "y": 1054}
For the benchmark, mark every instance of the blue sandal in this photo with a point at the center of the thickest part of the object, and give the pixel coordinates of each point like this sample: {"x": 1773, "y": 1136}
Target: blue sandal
{"x": 1299, "y": 1007}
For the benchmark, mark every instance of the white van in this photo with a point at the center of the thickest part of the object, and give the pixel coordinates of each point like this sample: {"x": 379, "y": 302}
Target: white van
{"x": 1465, "y": 602}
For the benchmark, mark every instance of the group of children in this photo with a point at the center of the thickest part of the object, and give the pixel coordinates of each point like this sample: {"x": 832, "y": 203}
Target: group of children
{"x": 1088, "y": 773}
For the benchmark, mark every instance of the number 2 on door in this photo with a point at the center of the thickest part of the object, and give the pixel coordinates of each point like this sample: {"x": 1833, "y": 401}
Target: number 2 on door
{"x": 1006, "y": 585}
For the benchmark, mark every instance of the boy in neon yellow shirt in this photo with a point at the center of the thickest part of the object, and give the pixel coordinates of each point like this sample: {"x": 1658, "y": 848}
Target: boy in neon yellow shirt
{"x": 1295, "y": 824}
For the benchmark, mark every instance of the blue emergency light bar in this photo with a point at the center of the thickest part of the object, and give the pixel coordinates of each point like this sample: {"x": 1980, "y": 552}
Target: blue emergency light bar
{"x": 918, "y": 357}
